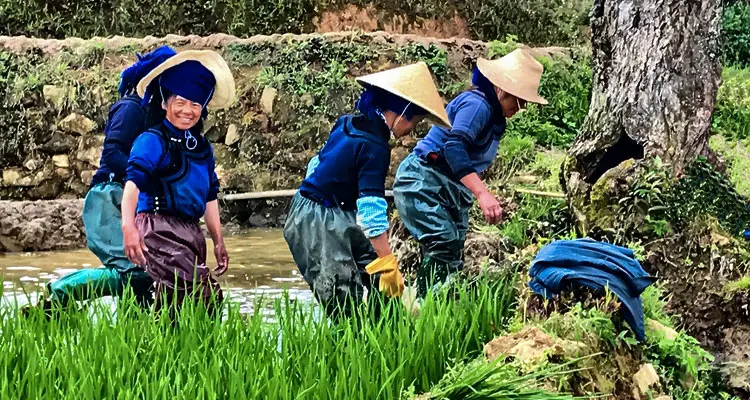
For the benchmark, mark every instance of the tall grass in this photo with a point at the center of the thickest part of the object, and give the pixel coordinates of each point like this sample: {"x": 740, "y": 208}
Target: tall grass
{"x": 297, "y": 356}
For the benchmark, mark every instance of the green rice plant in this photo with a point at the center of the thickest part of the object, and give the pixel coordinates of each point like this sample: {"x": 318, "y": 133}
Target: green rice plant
{"x": 588, "y": 325}
{"x": 482, "y": 380}
{"x": 296, "y": 354}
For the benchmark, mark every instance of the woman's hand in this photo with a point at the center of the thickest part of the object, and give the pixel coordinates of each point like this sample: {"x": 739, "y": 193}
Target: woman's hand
{"x": 491, "y": 209}
{"x": 222, "y": 258}
{"x": 134, "y": 245}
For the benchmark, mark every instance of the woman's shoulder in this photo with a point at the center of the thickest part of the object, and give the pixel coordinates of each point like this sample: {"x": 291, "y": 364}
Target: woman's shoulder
{"x": 127, "y": 106}
{"x": 151, "y": 138}
{"x": 471, "y": 97}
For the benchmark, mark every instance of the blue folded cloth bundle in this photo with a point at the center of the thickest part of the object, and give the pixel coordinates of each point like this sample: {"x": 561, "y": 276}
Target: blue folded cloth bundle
{"x": 588, "y": 263}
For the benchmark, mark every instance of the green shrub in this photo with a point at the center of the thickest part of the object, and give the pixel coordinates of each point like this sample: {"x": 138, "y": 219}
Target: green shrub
{"x": 731, "y": 117}
{"x": 534, "y": 21}
{"x": 736, "y": 34}
{"x": 736, "y": 154}
{"x": 566, "y": 84}
{"x": 61, "y": 18}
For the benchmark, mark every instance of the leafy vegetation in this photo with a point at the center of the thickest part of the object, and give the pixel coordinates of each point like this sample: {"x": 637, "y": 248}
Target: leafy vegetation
{"x": 79, "y": 79}
{"x": 535, "y": 21}
{"x": 680, "y": 359}
{"x": 449, "y": 84}
{"x": 299, "y": 355}
{"x": 566, "y": 84}
{"x": 705, "y": 191}
{"x": 736, "y": 32}
{"x": 731, "y": 117}
{"x": 736, "y": 154}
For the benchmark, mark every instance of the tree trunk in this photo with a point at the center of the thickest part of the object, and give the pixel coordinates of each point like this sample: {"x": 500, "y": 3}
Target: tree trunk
{"x": 656, "y": 74}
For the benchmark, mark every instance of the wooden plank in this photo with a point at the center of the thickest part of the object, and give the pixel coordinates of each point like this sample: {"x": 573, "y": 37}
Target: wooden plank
{"x": 270, "y": 194}
{"x": 542, "y": 194}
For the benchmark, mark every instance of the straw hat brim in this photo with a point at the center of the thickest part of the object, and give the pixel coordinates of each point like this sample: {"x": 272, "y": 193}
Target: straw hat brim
{"x": 505, "y": 82}
{"x": 412, "y": 83}
{"x": 223, "y": 95}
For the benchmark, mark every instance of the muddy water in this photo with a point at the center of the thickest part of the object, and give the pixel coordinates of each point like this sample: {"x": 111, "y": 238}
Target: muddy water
{"x": 260, "y": 267}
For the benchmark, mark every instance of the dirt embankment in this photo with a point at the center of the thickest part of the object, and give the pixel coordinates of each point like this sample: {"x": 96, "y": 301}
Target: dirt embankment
{"x": 370, "y": 19}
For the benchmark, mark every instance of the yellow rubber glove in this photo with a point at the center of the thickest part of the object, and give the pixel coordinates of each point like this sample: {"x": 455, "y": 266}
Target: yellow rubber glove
{"x": 391, "y": 281}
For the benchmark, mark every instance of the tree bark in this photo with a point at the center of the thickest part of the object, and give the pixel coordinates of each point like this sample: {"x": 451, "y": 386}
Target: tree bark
{"x": 656, "y": 74}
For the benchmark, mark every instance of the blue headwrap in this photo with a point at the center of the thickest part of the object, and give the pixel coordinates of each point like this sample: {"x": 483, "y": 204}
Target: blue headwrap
{"x": 374, "y": 100}
{"x": 145, "y": 64}
{"x": 189, "y": 79}
{"x": 488, "y": 88}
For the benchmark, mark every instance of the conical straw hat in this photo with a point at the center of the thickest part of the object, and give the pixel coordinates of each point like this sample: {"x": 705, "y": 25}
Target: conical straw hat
{"x": 223, "y": 95}
{"x": 517, "y": 73}
{"x": 412, "y": 83}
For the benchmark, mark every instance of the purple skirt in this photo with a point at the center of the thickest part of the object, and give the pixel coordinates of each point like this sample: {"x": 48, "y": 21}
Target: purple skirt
{"x": 176, "y": 258}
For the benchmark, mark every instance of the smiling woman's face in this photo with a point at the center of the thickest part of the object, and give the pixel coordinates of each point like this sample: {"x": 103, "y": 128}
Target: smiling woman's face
{"x": 181, "y": 112}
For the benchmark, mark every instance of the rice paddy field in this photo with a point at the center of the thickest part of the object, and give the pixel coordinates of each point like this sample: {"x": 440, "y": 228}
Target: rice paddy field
{"x": 296, "y": 355}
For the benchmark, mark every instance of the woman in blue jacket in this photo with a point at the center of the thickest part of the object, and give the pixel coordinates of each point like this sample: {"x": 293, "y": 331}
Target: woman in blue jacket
{"x": 171, "y": 183}
{"x": 101, "y": 210}
{"x": 337, "y": 223}
{"x": 437, "y": 183}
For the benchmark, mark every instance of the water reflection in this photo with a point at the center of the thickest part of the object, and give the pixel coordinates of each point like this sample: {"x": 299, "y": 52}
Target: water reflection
{"x": 261, "y": 267}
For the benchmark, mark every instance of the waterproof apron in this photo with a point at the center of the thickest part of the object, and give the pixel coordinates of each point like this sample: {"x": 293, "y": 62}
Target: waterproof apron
{"x": 331, "y": 252}
{"x": 102, "y": 221}
{"x": 435, "y": 210}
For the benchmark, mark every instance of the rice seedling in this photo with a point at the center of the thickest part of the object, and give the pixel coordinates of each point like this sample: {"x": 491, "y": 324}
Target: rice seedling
{"x": 298, "y": 355}
{"x": 482, "y": 380}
